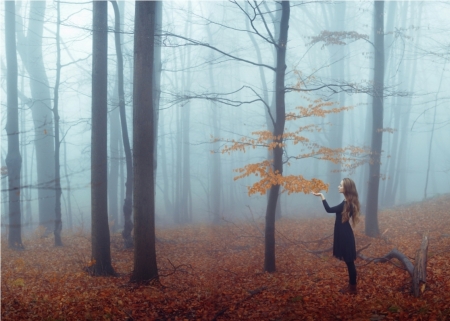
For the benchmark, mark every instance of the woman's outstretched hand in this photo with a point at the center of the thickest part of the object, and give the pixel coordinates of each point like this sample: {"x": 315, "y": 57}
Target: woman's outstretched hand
{"x": 319, "y": 194}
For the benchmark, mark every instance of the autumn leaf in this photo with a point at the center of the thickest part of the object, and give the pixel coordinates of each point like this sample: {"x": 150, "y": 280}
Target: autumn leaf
{"x": 212, "y": 272}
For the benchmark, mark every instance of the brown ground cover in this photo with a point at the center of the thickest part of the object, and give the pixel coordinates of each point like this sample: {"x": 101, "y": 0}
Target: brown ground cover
{"x": 215, "y": 272}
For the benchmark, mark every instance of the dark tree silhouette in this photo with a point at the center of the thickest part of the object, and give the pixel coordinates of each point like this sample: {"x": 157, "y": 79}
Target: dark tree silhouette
{"x": 58, "y": 221}
{"x": 127, "y": 206}
{"x": 101, "y": 254}
{"x": 13, "y": 158}
{"x": 371, "y": 227}
{"x": 145, "y": 267}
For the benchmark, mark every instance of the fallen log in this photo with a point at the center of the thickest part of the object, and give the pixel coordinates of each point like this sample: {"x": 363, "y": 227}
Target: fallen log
{"x": 417, "y": 271}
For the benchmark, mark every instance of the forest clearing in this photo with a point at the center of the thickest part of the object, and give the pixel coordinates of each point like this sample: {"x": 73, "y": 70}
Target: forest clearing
{"x": 214, "y": 272}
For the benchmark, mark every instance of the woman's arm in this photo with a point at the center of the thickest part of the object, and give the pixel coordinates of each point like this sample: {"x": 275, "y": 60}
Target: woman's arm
{"x": 334, "y": 209}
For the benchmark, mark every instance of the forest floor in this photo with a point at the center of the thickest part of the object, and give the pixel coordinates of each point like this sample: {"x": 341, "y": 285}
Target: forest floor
{"x": 215, "y": 273}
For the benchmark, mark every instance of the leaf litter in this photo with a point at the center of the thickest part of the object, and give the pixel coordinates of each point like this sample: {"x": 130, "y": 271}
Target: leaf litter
{"x": 212, "y": 272}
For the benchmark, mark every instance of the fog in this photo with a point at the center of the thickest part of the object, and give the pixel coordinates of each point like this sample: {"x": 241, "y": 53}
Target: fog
{"x": 213, "y": 91}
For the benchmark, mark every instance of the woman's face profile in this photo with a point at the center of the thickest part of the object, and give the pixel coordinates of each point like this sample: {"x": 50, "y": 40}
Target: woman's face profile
{"x": 341, "y": 187}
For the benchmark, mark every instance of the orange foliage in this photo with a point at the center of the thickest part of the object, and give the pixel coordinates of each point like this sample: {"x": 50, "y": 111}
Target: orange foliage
{"x": 290, "y": 183}
{"x": 349, "y": 157}
{"x": 219, "y": 274}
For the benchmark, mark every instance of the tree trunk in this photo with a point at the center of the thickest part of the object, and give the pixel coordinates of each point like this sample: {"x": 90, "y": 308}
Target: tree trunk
{"x": 127, "y": 207}
{"x": 430, "y": 144}
{"x": 13, "y": 158}
{"x": 145, "y": 267}
{"x": 215, "y": 171}
{"x": 115, "y": 134}
{"x": 101, "y": 254}
{"x": 269, "y": 254}
{"x": 269, "y": 109}
{"x": 419, "y": 275}
{"x": 69, "y": 192}
{"x": 58, "y": 221}
{"x": 157, "y": 66}
{"x": 167, "y": 203}
{"x": 371, "y": 227}
{"x": 186, "y": 204}
{"x": 25, "y": 180}
{"x": 5, "y": 202}
{"x": 337, "y": 54}
{"x": 30, "y": 49}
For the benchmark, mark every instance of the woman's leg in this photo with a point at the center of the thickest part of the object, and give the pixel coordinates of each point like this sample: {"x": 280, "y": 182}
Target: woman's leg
{"x": 351, "y": 272}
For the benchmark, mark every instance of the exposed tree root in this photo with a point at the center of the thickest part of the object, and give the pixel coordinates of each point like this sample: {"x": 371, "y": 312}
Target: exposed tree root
{"x": 417, "y": 271}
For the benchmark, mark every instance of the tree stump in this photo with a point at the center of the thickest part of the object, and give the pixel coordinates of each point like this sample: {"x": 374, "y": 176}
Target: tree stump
{"x": 419, "y": 275}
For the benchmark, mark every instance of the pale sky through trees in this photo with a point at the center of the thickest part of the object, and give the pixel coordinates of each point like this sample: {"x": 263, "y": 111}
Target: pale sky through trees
{"x": 418, "y": 41}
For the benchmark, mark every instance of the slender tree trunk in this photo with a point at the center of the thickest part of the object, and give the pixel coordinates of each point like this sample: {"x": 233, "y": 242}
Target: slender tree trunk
{"x": 13, "y": 158}
{"x": 58, "y": 221}
{"x": 101, "y": 253}
{"x": 157, "y": 66}
{"x": 69, "y": 192}
{"x": 269, "y": 254}
{"x": 269, "y": 109}
{"x": 185, "y": 209}
{"x": 127, "y": 207}
{"x": 145, "y": 267}
{"x": 430, "y": 144}
{"x": 121, "y": 183}
{"x": 5, "y": 202}
{"x": 215, "y": 176}
{"x": 113, "y": 176}
{"x": 337, "y": 23}
{"x": 166, "y": 187}
{"x": 30, "y": 49}
{"x": 25, "y": 180}
{"x": 371, "y": 228}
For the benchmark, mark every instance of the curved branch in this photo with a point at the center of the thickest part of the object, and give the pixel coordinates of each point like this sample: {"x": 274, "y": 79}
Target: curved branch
{"x": 203, "y": 44}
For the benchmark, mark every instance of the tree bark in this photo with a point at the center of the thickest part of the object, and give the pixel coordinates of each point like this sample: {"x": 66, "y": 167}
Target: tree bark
{"x": 215, "y": 171}
{"x": 419, "y": 275}
{"x": 58, "y": 221}
{"x": 101, "y": 253}
{"x": 13, "y": 158}
{"x": 145, "y": 267}
{"x": 30, "y": 50}
{"x": 127, "y": 207}
{"x": 430, "y": 144}
{"x": 337, "y": 67}
{"x": 269, "y": 254}
{"x": 371, "y": 227}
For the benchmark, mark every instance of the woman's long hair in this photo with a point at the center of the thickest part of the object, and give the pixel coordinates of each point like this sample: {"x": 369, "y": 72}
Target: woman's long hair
{"x": 351, "y": 206}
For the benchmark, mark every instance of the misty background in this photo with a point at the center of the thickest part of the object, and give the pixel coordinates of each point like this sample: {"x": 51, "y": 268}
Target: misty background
{"x": 208, "y": 95}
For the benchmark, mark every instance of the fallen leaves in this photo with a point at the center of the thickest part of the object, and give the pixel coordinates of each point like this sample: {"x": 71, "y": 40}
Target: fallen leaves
{"x": 217, "y": 274}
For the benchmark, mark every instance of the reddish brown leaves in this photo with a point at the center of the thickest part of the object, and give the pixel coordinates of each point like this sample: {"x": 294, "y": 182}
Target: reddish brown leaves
{"x": 219, "y": 274}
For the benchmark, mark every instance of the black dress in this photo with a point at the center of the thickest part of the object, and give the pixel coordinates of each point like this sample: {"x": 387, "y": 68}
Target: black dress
{"x": 344, "y": 247}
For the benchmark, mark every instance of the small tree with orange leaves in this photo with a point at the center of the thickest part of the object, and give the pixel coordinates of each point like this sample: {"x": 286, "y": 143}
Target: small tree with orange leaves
{"x": 271, "y": 172}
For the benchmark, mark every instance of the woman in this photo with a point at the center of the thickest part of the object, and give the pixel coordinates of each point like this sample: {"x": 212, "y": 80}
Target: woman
{"x": 344, "y": 247}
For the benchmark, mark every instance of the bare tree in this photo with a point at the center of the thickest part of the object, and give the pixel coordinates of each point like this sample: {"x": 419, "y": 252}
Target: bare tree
{"x": 30, "y": 50}
{"x": 13, "y": 158}
{"x": 145, "y": 267}
{"x": 371, "y": 222}
{"x": 101, "y": 254}
{"x": 269, "y": 253}
{"x": 58, "y": 221}
{"x": 127, "y": 206}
